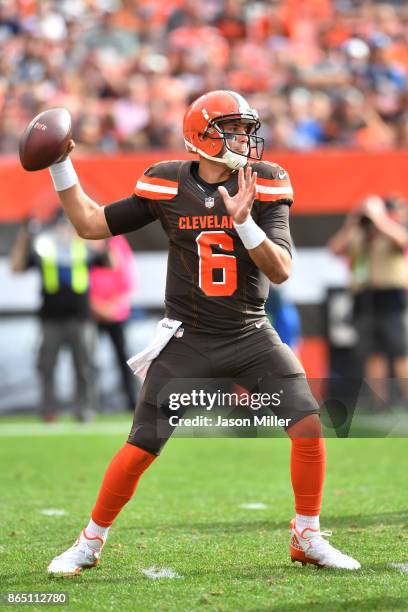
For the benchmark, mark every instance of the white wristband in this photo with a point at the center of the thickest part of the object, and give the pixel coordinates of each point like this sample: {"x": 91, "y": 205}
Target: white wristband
{"x": 63, "y": 175}
{"x": 250, "y": 233}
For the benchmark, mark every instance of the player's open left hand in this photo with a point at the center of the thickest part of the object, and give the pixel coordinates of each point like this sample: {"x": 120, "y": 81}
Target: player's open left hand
{"x": 239, "y": 206}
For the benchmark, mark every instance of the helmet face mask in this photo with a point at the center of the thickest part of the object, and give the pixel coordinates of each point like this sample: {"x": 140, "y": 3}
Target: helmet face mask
{"x": 218, "y": 125}
{"x": 254, "y": 144}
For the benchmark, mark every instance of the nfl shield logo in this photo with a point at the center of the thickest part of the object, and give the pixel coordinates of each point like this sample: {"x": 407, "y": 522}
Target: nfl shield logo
{"x": 209, "y": 202}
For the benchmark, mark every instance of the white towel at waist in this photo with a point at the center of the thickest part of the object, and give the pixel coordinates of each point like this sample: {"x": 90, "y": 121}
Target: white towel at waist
{"x": 140, "y": 363}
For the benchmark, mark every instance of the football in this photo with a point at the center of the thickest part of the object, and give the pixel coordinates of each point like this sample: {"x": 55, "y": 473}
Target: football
{"x": 45, "y": 139}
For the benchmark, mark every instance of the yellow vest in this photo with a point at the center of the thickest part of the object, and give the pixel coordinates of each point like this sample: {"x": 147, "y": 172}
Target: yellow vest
{"x": 79, "y": 269}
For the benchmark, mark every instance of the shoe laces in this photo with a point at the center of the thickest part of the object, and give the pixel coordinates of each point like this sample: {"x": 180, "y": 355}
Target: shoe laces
{"x": 318, "y": 540}
{"x": 321, "y": 546}
{"x": 71, "y": 552}
{"x": 80, "y": 546}
{"x": 318, "y": 536}
{"x": 326, "y": 533}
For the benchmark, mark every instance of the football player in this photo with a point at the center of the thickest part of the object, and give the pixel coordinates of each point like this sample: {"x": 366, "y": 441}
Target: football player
{"x": 226, "y": 216}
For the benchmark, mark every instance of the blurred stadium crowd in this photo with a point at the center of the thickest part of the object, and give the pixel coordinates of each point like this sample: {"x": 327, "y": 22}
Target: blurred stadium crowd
{"x": 320, "y": 72}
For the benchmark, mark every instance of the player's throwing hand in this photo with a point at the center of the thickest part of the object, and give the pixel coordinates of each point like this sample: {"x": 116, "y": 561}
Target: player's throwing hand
{"x": 239, "y": 206}
{"x": 70, "y": 148}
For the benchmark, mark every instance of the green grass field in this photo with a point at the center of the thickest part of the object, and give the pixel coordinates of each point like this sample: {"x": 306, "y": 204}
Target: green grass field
{"x": 187, "y": 517}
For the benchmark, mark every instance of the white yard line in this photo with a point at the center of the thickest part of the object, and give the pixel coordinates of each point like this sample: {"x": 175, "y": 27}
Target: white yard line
{"x": 52, "y": 512}
{"x": 402, "y": 567}
{"x": 154, "y": 573}
{"x": 254, "y": 506}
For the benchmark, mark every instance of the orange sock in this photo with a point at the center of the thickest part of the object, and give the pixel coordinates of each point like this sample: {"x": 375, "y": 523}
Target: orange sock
{"x": 307, "y": 469}
{"x": 120, "y": 482}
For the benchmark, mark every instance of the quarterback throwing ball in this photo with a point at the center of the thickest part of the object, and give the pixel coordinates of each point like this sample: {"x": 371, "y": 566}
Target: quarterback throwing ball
{"x": 227, "y": 219}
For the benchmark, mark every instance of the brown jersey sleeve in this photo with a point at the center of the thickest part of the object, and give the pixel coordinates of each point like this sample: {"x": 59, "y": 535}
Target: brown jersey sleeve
{"x": 272, "y": 183}
{"x": 158, "y": 184}
{"x": 273, "y": 200}
{"x": 129, "y": 214}
{"x": 274, "y": 220}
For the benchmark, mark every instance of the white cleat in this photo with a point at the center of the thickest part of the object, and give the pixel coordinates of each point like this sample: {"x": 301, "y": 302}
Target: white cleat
{"x": 310, "y": 547}
{"x": 85, "y": 553}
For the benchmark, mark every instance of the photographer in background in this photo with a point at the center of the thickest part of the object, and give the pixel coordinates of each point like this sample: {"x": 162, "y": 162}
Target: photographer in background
{"x": 374, "y": 239}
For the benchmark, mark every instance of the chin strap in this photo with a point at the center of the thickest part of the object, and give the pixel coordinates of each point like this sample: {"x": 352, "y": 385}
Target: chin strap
{"x": 234, "y": 160}
{"x": 230, "y": 159}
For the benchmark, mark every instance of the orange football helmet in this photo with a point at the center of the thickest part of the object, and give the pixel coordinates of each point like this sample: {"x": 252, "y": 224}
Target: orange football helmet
{"x": 204, "y": 134}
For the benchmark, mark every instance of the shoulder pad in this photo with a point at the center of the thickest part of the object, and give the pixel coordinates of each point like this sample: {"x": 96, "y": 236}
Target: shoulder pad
{"x": 165, "y": 169}
{"x": 160, "y": 181}
{"x": 272, "y": 183}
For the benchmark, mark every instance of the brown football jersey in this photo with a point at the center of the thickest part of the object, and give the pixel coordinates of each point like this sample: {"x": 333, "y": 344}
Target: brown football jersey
{"x": 212, "y": 283}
